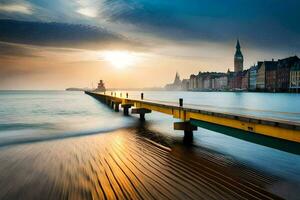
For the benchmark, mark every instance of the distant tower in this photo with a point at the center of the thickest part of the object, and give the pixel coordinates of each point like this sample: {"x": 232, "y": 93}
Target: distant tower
{"x": 177, "y": 80}
{"x": 101, "y": 87}
{"x": 238, "y": 58}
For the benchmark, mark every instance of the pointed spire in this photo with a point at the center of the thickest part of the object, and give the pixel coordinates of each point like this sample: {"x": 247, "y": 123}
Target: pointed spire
{"x": 238, "y": 52}
{"x": 238, "y": 46}
{"x": 177, "y": 75}
{"x": 177, "y": 79}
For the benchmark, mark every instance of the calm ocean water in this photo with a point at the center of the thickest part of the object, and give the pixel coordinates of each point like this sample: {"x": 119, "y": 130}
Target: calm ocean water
{"x": 280, "y": 105}
{"x": 33, "y": 116}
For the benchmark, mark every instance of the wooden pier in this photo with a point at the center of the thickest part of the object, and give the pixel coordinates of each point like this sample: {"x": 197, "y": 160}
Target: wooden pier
{"x": 192, "y": 117}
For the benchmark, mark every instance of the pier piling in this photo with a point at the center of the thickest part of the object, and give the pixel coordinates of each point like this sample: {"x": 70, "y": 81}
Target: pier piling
{"x": 180, "y": 102}
{"x": 126, "y": 108}
{"x": 112, "y": 104}
{"x": 188, "y": 129}
{"x": 117, "y": 106}
{"x": 141, "y": 112}
{"x": 108, "y": 102}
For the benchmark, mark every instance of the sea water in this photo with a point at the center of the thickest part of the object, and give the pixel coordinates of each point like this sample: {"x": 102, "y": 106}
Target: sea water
{"x": 35, "y": 116}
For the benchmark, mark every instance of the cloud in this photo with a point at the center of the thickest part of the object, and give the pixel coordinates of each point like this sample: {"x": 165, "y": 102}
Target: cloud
{"x": 62, "y": 35}
{"x": 63, "y": 11}
{"x": 16, "y": 8}
{"x": 89, "y": 8}
{"x": 261, "y": 24}
{"x": 88, "y": 12}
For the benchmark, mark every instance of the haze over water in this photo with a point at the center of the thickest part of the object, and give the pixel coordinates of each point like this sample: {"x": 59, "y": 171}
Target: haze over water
{"x": 47, "y": 135}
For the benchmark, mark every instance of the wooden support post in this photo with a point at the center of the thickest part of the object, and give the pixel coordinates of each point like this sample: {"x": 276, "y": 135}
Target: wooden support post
{"x": 126, "y": 111}
{"x": 126, "y": 108}
{"x": 188, "y": 129}
{"x": 117, "y": 106}
{"x": 108, "y": 102}
{"x": 141, "y": 112}
{"x": 180, "y": 102}
{"x": 112, "y": 104}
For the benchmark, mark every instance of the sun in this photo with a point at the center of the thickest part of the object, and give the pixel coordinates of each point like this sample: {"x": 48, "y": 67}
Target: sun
{"x": 120, "y": 59}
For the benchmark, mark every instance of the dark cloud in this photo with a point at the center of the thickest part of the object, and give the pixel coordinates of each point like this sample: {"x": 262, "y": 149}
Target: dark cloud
{"x": 14, "y": 50}
{"x": 264, "y": 24}
{"x": 61, "y": 35}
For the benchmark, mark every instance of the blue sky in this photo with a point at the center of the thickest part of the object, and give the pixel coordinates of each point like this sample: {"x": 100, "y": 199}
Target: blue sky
{"x": 202, "y": 33}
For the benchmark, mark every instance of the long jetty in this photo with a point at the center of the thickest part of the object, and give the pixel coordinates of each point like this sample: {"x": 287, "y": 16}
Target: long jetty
{"x": 191, "y": 118}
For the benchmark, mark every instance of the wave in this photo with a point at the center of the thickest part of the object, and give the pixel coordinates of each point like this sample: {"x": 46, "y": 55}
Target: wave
{"x": 21, "y": 126}
{"x": 33, "y": 138}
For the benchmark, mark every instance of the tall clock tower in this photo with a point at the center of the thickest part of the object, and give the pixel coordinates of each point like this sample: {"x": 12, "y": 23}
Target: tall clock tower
{"x": 238, "y": 58}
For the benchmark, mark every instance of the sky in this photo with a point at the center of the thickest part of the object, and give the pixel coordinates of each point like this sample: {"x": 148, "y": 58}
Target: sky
{"x": 137, "y": 43}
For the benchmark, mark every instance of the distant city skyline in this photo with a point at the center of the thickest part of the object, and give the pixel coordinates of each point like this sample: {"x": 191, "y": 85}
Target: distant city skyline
{"x": 60, "y": 44}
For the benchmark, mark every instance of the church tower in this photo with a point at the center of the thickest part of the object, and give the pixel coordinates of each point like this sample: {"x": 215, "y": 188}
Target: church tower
{"x": 177, "y": 80}
{"x": 238, "y": 58}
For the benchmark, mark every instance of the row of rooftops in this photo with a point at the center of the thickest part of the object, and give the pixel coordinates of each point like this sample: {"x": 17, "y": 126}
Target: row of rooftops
{"x": 293, "y": 61}
{"x": 290, "y": 62}
{"x": 296, "y": 66}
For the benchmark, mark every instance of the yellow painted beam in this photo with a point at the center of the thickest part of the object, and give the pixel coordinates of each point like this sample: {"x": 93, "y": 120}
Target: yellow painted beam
{"x": 269, "y": 130}
{"x": 246, "y": 123}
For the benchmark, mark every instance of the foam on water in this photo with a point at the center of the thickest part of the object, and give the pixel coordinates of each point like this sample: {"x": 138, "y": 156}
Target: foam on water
{"x": 37, "y": 115}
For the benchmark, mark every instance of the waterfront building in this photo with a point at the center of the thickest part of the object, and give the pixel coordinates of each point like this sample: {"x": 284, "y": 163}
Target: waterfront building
{"x": 245, "y": 80}
{"x": 207, "y": 82}
{"x": 185, "y": 84}
{"x": 295, "y": 77}
{"x": 275, "y": 75}
{"x": 237, "y": 81}
{"x": 213, "y": 83}
{"x": 260, "y": 78}
{"x": 193, "y": 82}
{"x": 221, "y": 83}
{"x": 200, "y": 79}
{"x": 234, "y": 80}
{"x": 252, "y": 78}
{"x": 283, "y": 72}
{"x": 230, "y": 77}
{"x": 238, "y": 58}
{"x": 270, "y": 75}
